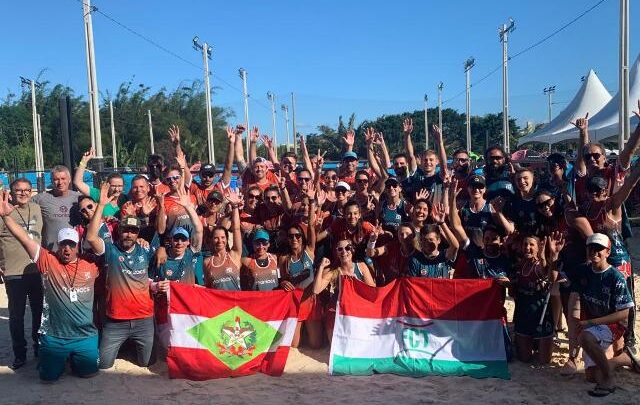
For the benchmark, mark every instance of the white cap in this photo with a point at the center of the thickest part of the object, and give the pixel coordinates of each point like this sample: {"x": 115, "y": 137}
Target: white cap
{"x": 68, "y": 234}
{"x": 599, "y": 239}
{"x": 343, "y": 184}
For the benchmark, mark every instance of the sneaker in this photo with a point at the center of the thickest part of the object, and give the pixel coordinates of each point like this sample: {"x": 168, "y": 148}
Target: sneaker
{"x": 17, "y": 363}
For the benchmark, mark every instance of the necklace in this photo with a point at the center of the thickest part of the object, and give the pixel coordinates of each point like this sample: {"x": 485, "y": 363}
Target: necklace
{"x": 224, "y": 258}
{"x": 531, "y": 268}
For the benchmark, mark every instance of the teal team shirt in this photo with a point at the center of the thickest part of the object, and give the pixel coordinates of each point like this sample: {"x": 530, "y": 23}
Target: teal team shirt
{"x": 186, "y": 269}
{"x": 422, "y": 266}
{"x": 601, "y": 293}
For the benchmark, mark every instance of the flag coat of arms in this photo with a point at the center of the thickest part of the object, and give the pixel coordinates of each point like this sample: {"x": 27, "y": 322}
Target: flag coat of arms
{"x": 214, "y": 333}
{"x": 419, "y": 327}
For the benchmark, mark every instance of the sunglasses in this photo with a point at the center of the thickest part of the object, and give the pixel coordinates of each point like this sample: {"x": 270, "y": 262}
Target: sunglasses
{"x": 334, "y": 177}
{"x": 261, "y": 242}
{"x": 496, "y": 157}
{"x": 214, "y": 201}
{"x": 179, "y": 239}
{"x": 477, "y": 187}
{"x": 173, "y": 178}
{"x": 545, "y": 203}
{"x": 341, "y": 249}
{"x": 69, "y": 243}
{"x": 462, "y": 160}
{"x": 341, "y": 190}
{"x": 296, "y": 235}
{"x": 594, "y": 156}
{"x": 207, "y": 175}
{"x": 304, "y": 179}
{"x": 394, "y": 185}
{"x": 362, "y": 181}
{"x": 254, "y": 196}
{"x": 85, "y": 210}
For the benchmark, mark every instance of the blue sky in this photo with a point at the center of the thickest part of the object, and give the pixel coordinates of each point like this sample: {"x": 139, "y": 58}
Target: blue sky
{"x": 368, "y": 57}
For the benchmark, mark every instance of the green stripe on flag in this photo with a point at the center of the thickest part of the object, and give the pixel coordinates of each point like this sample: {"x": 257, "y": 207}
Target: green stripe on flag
{"x": 415, "y": 367}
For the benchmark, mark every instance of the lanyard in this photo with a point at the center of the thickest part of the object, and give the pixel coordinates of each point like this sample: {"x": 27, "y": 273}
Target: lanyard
{"x": 25, "y": 223}
{"x": 73, "y": 281}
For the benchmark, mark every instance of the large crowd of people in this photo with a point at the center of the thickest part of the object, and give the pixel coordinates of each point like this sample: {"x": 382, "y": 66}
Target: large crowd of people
{"x": 92, "y": 261}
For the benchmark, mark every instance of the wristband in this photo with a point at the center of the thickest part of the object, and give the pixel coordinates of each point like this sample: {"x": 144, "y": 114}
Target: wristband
{"x": 82, "y": 164}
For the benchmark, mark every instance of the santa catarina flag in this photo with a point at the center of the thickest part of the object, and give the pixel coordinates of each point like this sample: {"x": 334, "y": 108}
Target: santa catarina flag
{"x": 214, "y": 333}
{"x": 419, "y": 327}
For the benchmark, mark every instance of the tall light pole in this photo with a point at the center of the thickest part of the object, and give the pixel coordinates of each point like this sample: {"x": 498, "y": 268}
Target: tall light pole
{"x": 207, "y": 50}
{"x": 548, "y": 91}
{"x": 426, "y": 124}
{"x": 440, "y": 87}
{"x": 151, "y": 141}
{"x": 468, "y": 64}
{"x": 503, "y": 33}
{"x": 293, "y": 122}
{"x": 623, "y": 78}
{"x": 245, "y": 96}
{"x": 114, "y": 147}
{"x": 286, "y": 123}
{"x": 94, "y": 108}
{"x": 272, "y": 100}
{"x": 37, "y": 140}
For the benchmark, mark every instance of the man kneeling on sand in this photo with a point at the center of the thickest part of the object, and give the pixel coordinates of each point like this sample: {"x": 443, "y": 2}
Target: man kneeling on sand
{"x": 67, "y": 329}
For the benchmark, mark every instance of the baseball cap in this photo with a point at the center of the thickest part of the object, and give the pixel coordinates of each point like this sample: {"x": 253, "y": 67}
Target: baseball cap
{"x": 477, "y": 180}
{"x": 350, "y": 155}
{"x": 599, "y": 239}
{"x": 130, "y": 221}
{"x": 343, "y": 184}
{"x": 208, "y": 168}
{"x": 179, "y": 231}
{"x": 68, "y": 234}
{"x": 596, "y": 183}
{"x": 215, "y": 195}
{"x": 392, "y": 180}
{"x": 261, "y": 234}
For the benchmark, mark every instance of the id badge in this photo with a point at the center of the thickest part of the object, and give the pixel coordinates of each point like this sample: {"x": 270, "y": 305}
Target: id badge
{"x": 73, "y": 295}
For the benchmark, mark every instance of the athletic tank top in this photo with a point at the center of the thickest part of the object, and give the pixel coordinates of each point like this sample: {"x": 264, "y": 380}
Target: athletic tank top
{"x": 529, "y": 277}
{"x": 225, "y": 276}
{"x": 392, "y": 218}
{"x": 301, "y": 270}
{"x": 256, "y": 278}
{"x": 334, "y": 285}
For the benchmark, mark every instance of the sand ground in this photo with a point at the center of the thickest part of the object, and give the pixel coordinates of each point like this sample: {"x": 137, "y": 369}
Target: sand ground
{"x": 306, "y": 381}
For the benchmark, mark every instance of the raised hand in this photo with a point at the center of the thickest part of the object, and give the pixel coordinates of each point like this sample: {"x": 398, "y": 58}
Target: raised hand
{"x": 148, "y": 205}
{"x": 6, "y": 207}
{"x": 174, "y": 134}
{"x": 88, "y": 155}
{"x": 349, "y": 138}
{"x": 181, "y": 159}
{"x": 407, "y": 126}
{"x": 378, "y": 139}
{"x": 555, "y": 243}
{"x": 231, "y": 135}
{"x": 436, "y": 133}
{"x": 324, "y": 263}
{"x": 583, "y": 123}
{"x": 322, "y": 197}
{"x": 105, "y": 198}
{"x": 184, "y": 197}
{"x": 369, "y": 135}
{"x": 423, "y": 194}
{"x": 239, "y": 129}
{"x": 235, "y": 198}
{"x": 254, "y": 135}
{"x": 439, "y": 212}
{"x": 267, "y": 142}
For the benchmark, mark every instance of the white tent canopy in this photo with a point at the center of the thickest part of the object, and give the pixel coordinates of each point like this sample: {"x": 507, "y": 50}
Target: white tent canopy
{"x": 591, "y": 97}
{"x": 604, "y": 124}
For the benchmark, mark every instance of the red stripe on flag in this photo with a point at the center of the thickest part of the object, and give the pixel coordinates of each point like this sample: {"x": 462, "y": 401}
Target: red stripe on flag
{"x": 200, "y": 364}
{"x": 274, "y": 305}
{"x": 464, "y": 300}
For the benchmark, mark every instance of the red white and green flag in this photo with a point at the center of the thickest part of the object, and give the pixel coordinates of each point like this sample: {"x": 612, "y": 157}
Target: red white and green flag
{"x": 215, "y": 334}
{"x": 419, "y": 327}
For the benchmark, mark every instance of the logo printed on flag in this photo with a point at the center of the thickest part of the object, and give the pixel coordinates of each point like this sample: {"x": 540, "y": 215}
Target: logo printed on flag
{"x": 235, "y": 337}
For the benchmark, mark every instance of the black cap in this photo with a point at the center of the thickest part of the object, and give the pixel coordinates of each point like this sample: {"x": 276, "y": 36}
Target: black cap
{"x": 208, "y": 168}
{"x": 391, "y": 180}
{"x": 477, "y": 180}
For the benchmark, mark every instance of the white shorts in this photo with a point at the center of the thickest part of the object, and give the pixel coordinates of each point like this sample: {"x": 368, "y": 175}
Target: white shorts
{"x": 603, "y": 335}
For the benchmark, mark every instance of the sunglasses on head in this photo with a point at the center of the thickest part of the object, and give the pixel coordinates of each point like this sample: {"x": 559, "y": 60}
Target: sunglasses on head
{"x": 594, "y": 156}
{"x": 85, "y": 210}
{"x": 296, "y": 235}
{"x": 341, "y": 249}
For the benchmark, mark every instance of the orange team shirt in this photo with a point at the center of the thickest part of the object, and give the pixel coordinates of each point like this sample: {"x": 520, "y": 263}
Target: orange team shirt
{"x": 160, "y": 188}
{"x": 249, "y": 179}
{"x": 339, "y": 231}
{"x": 176, "y": 214}
{"x": 200, "y": 193}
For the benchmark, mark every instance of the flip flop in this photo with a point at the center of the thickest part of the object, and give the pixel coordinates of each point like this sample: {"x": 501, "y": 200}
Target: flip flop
{"x": 635, "y": 361}
{"x": 600, "y": 392}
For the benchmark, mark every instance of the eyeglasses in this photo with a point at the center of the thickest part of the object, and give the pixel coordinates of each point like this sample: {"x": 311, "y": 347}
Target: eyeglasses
{"x": 304, "y": 179}
{"x": 594, "y": 156}
{"x": 254, "y": 196}
{"x": 272, "y": 198}
{"x": 85, "y": 210}
{"x": 334, "y": 177}
{"x": 545, "y": 203}
{"x": 341, "y": 249}
{"x": 362, "y": 181}
{"x": 22, "y": 191}
{"x": 173, "y": 178}
{"x": 296, "y": 235}
{"x": 496, "y": 157}
{"x": 261, "y": 242}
